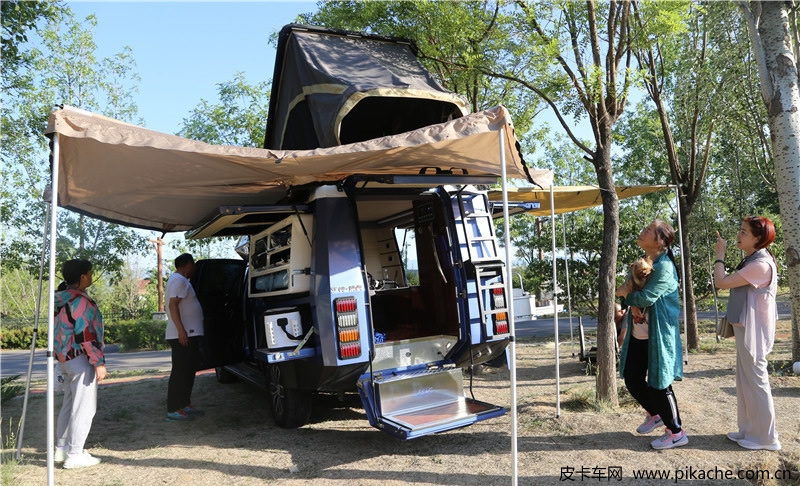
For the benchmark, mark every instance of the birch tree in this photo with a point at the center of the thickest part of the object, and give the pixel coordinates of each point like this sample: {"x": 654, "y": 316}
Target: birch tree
{"x": 774, "y": 37}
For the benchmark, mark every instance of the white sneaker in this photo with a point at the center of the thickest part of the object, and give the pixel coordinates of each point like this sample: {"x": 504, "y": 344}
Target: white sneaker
{"x": 749, "y": 444}
{"x": 60, "y": 454}
{"x": 735, "y": 436}
{"x": 84, "y": 459}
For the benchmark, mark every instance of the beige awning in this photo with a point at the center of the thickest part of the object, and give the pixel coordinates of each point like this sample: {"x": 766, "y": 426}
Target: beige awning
{"x": 138, "y": 177}
{"x": 566, "y": 198}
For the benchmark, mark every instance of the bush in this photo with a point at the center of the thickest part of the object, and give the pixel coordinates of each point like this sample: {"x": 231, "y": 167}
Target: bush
{"x": 130, "y": 335}
{"x": 142, "y": 334}
{"x": 20, "y": 337}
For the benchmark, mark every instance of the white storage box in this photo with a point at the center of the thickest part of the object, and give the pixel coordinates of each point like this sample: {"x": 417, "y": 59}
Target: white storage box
{"x": 283, "y": 329}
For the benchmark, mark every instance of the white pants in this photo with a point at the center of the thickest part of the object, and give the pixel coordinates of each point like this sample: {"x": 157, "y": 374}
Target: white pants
{"x": 754, "y": 405}
{"x": 79, "y": 406}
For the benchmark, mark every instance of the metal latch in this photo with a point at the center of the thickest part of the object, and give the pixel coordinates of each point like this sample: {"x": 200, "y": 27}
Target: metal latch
{"x": 302, "y": 343}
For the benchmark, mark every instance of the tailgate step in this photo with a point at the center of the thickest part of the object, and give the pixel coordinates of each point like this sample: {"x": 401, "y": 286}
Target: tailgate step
{"x": 426, "y": 402}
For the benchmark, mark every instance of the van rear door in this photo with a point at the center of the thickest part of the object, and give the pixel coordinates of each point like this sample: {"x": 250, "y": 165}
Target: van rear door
{"x": 413, "y": 387}
{"x": 219, "y": 285}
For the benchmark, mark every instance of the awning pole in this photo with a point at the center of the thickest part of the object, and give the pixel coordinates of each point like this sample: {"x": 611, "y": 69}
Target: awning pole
{"x": 555, "y": 297}
{"x": 683, "y": 276}
{"x": 569, "y": 292}
{"x": 512, "y": 355}
{"x": 51, "y": 316}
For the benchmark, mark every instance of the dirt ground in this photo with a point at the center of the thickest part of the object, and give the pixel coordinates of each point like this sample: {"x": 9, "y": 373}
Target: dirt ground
{"x": 236, "y": 443}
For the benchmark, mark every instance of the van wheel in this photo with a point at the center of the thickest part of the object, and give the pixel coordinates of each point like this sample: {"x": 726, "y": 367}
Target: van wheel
{"x": 291, "y": 408}
{"x": 224, "y": 376}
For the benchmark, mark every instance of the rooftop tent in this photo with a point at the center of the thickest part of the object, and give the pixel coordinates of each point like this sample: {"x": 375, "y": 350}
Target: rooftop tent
{"x": 334, "y": 87}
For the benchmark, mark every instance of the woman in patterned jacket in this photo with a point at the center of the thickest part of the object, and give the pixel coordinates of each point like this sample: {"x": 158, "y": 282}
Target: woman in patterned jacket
{"x": 78, "y": 346}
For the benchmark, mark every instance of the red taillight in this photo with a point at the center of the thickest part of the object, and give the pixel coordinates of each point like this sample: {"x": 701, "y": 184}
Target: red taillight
{"x": 346, "y": 313}
{"x": 499, "y": 298}
{"x": 500, "y": 318}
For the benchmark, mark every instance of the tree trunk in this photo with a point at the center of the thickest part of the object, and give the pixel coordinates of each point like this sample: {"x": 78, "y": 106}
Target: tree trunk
{"x": 779, "y": 78}
{"x": 607, "y": 279}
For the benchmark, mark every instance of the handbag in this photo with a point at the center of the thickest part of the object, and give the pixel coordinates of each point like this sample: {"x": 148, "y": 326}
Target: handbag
{"x": 724, "y": 328}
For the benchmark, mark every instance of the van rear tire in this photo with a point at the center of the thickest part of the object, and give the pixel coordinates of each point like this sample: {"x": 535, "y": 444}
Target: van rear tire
{"x": 291, "y": 408}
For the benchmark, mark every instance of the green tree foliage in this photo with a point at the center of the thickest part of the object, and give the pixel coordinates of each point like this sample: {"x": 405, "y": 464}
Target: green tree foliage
{"x": 19, "y": 291}
{"x": 702, "y": 129}
{"x": 61, "y": 68}
{"x": 239, "y": 118}
{"x": 128, "y": 297}
{"x": 19, "y": 18}
{"x": 574, "y": 57}
{"x": 775, "y": 40}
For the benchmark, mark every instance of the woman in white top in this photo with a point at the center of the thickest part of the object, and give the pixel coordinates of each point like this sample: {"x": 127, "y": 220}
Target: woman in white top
{"x": 753, "y": 312}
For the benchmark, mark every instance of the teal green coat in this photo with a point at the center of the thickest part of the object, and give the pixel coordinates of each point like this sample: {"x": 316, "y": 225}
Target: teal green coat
{"x": 665, "y": 349}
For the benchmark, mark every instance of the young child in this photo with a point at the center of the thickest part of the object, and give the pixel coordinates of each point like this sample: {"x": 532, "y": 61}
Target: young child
{"x": 639, "y": 275}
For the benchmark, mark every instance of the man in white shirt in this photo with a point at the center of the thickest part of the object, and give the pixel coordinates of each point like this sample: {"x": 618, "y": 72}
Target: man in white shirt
{"x": 184, "y": 331}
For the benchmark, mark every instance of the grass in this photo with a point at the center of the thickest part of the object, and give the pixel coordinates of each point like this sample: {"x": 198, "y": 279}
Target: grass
{"x": 8, "y": 468}
{"x": 9, "y": 388}
{"x": 780, "y": 367}
{"x": 580, "y": 399}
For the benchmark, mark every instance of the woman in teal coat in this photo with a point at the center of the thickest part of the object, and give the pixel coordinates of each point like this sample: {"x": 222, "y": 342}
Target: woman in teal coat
{"x": 652, "y": 355}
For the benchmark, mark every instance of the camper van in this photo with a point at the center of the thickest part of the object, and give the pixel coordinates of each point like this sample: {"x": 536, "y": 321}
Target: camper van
{"x": 369, "y": 166}
{"x": 323, "y": 299}
{"x": 323, "y": 302}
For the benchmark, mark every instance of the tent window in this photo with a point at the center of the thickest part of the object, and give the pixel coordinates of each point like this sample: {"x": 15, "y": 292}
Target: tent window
{"x": 376, "y": 117}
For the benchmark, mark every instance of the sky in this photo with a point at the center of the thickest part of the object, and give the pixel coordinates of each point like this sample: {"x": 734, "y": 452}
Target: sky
{"x": 184, "y": 49}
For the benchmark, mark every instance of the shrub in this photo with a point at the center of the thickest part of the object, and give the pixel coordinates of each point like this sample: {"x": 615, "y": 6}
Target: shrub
{"x": 130, "y": 335}
{"x": 20, "y": 337}
{"x": 141, "y": 334}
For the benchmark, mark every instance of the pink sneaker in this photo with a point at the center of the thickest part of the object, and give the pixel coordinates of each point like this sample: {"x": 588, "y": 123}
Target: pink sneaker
{"x": 651, "y": 422}
{"x": 670, "y": 440}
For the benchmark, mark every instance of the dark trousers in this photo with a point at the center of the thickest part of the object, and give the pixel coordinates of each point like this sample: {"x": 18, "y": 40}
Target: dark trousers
{"x": 656, "y": 402}
{"x": 181, "y": 378}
